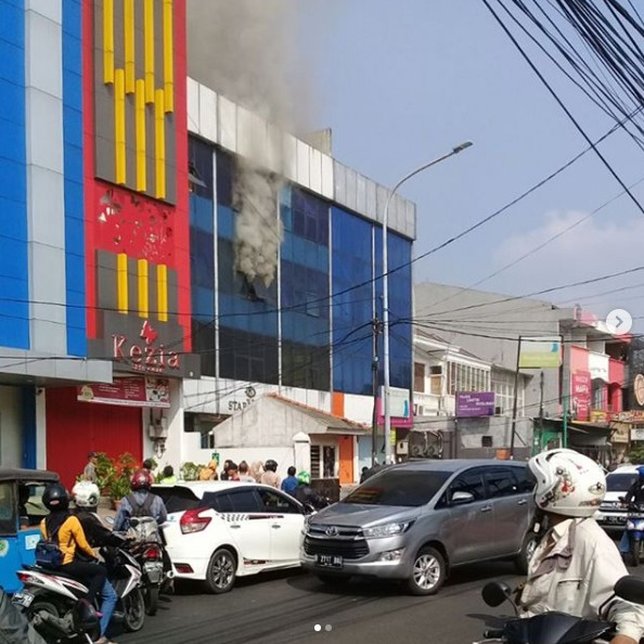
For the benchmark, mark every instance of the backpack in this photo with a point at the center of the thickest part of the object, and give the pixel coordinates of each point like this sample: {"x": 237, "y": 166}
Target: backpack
{"x": 141, "y": 510}
{"x": 48, "y": 552}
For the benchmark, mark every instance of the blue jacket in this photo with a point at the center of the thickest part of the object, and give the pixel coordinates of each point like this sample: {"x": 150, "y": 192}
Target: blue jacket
{"x": 289, "y": 485}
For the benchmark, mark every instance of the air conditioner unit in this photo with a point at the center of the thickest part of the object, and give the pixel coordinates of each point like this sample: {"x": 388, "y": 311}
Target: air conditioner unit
{"x": 402, "y": 448}
{"x": 158, "y": 429}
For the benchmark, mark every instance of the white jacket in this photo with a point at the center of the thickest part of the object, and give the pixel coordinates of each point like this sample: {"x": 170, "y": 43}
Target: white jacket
{"x": 577, "y": 576}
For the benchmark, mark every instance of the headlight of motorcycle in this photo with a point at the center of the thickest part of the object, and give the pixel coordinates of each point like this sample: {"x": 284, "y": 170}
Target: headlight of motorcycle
{"x": 386, "y": 530}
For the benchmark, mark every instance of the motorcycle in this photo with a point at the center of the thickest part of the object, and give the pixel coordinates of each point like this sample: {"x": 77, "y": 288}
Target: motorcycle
{"x": 635, "y": 533}
{"x": 146, "y": 546}
{"x": 51, "y": 599}
{"x": 555, "y": 627}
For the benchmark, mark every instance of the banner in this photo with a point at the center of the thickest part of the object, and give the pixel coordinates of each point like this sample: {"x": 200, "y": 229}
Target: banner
{"x": 540, "y": 352}
{"x": 471, "y": 404}
{"x": 128, "y": 392}
{"x": 581, "y": 395}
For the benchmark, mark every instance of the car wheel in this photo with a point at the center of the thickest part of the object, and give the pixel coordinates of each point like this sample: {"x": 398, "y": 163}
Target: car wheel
{"x": 220, "y": 576}
{"x": 333, "y": 580}
{"x": 428, "y": 572}
{"x": 522, "y": 561}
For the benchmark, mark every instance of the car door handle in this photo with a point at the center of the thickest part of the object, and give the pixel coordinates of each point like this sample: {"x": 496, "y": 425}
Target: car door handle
{"x": 487, "y": 508}
{"x": 276, "y": 526}
{"x": 522, "y": 502}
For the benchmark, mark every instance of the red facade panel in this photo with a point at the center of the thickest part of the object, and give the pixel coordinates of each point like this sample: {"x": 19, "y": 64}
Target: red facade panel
{"x": 75, "y": 428}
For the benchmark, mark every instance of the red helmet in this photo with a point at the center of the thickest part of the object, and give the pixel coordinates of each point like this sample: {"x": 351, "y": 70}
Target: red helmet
{"x": 141, "y": 480}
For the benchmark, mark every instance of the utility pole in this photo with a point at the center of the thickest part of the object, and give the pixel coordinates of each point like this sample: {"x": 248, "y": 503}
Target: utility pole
{"x": 376, "y": 330}
{"x": 541, "y": 382}
{"x": 516, "y": 397}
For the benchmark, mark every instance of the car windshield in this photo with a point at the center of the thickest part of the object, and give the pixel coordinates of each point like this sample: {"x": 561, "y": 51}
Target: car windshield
{"x": 619, "y": 482}
{"x": 399, "y": 487}
{"x": 177, "y": 498}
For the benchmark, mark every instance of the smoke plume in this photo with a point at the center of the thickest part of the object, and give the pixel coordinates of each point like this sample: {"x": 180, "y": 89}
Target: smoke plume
{"x": 244, "y": 49}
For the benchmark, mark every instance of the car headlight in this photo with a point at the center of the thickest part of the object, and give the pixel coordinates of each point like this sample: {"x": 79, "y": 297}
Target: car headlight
{"x": 386, "y": 530}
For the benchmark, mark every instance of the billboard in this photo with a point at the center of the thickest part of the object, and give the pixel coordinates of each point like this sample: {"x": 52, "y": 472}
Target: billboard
{"x": 471, "y": 404}
{"x": 581, "y": 395}
{"x": 399, "y": 403}
{"x": 540, "y": 352}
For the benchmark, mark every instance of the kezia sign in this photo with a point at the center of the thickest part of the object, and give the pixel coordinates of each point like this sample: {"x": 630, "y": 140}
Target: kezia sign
{"x": 472, "y": 404}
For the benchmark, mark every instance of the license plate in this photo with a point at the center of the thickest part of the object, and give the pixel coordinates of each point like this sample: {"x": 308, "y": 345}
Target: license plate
{"x": 23, "y": 599}
{"x": 154, "y": 572}
{"x": 332, "y": 561}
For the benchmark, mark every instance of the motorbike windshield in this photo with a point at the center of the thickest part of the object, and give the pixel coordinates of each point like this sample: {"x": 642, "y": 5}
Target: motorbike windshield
{"x": 409, "y": 488}
{"x": 554, "y": 628}
{"x": 620, "y": 482}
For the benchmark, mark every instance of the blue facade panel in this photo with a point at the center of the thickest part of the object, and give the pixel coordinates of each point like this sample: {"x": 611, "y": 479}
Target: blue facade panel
{"x": 73, "y": 168}
{"x": 14, "y": 279}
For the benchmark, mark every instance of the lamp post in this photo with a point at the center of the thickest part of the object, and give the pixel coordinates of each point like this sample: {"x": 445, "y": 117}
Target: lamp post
{"x": 385, "y": 288}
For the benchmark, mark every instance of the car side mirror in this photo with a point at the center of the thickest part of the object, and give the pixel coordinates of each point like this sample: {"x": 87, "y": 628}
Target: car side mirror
{"x": 309, "y": 509}
{"x": 495, "y": 593}
{"x": 462, "y": 498}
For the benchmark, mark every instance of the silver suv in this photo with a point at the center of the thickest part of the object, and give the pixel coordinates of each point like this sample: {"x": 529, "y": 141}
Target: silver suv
{"x": 417, "y": 520}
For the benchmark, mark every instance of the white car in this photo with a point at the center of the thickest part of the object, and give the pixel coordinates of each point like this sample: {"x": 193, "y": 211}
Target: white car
{"x": 612, "y": 512}
{"x": 219, "y": 530}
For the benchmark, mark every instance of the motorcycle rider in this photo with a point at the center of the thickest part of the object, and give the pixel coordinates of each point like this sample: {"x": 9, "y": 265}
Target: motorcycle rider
{"x": 140, "y": 503}
{"x": 78, "y": 557}
{"x": 576, "y": 564}
{"x": 306, "y": 495}
{"x": 634, "y": 498}
{"x": 86, "y": 495}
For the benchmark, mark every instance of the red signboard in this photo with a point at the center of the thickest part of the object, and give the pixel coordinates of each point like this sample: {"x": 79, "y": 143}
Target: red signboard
{"x": 581, "y": 395}
{"x": 129, "y": 392}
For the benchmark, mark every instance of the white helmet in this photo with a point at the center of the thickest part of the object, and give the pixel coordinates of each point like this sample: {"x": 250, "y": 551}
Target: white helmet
{"x": 568, "y": 483}
{"x": 86, "y": 494}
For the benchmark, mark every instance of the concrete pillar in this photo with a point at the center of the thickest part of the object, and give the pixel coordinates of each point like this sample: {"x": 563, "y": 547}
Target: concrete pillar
{"x": 302, "y": 452}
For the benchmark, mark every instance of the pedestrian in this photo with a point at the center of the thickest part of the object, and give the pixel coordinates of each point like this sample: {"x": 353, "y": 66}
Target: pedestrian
{"x": 233, "y": 471}
{"x": 244, "y": 474}
{"x": 168, "y": 477}
{"x": 364, "y": 474}
{"x": 270, "y": 477}
{"x": 256, "y": 471}
{"x": 224, "y": 471}
{"x": 140, "y": 503}
{"x": 576, "y": 564}
{"x": 209, "y": 473}
{"x": 89, "y": 473}
{"x": 290, "y": 482}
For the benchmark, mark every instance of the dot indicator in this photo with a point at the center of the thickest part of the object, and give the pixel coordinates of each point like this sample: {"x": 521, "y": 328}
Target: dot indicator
{"x": 317, "y": 628}
{"x": 328, "y": 628}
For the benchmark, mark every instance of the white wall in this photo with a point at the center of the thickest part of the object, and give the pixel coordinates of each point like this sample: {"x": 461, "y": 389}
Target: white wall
{"x": 10, "y": 426}
{"x": 359, "y": 409}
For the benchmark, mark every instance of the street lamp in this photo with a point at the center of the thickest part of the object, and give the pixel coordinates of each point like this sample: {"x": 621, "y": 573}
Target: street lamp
{"x": 385, "y": 288}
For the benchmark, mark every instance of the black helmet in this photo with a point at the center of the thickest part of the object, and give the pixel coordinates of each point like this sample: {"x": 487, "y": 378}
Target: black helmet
{"x": 270, "y": 465}
{"x": 55, "y": 497}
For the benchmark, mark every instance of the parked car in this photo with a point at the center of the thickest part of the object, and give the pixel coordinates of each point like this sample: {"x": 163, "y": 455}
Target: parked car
{"x": 220, "y": 530}
{"x": 612, "y": 513}
{"x": 417, "y": 520}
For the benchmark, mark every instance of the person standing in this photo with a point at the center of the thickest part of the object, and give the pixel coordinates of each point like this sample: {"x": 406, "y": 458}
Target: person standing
{"x": 256, "y": 471}
{"x": 289, "y": 484}
{"x": 89, "y": 473}
{"x": 244, "y": 474}
{"x": 270, "y": 476}
{"x": 209, "y": 473}
{"x": 168, "y": 477}
{"x": 233, "y": 472}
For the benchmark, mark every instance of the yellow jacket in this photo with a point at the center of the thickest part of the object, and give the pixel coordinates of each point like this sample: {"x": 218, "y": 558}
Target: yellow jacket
{"x": 70, "y": 537}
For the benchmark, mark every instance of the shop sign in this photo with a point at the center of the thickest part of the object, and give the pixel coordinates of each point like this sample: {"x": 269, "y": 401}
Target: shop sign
{"x": 542, "y": 352}
{"x": 619, "y": 434}
{"x": 581, "y": 394}
{"x": 146, "y": 354}
{"x": 128, "y": 392}
{"x": 472, "y": 404}
{"x": 239, "y": 405}
{"x": 598, "y": 416}
{"x": 635, "y": 416}
{"x": 637, "y": 434}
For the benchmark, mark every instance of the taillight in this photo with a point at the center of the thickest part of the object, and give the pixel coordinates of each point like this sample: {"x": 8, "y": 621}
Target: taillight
{"x": 152, "y": 553}
{"x": 192, "y": 521}
{"x": 24, "y": 577}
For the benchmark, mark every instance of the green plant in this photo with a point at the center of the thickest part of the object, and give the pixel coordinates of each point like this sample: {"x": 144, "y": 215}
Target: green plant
{"x": 190, "y": 471}
{"x": 119, "y": 488}
{"x": 636, "y": 455}
{"x": 105, "y": 471}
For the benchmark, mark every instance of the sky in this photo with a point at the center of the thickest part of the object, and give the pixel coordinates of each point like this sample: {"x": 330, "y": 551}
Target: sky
{"x": 401, "y": 82}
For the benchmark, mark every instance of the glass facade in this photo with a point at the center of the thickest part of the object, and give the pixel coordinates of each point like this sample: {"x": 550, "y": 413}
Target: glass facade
{"x": 321, "y": 301}
{"x": 304, "y": 281}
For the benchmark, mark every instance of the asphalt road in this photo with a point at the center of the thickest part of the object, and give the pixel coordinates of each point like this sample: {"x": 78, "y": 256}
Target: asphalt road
{"x": 286, "y": 607}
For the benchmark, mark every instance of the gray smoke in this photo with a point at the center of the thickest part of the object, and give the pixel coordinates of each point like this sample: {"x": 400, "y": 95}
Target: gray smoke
{"x": 244, "y": 49}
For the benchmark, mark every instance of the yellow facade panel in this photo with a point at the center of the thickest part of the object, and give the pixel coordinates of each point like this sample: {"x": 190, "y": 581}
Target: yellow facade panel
{"x": 119, "y": 126}
{"x": 144, "y": 302}
{"x": 129, "y": 45}
{"x": 162, "y": 292}
{"x": 148, "y": 39}
{"x": 159, "y": 144}
{"x": 141, "y": 160}
{"x": 121, "y": 283}
{"x": 168, "y": 55}
{"x": 108, "y": 41}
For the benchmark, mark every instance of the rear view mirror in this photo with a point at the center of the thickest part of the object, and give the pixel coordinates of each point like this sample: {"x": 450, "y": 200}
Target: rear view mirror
{"x": 631, "y": 589}
{"x": 495, "y": 593}
{"x": 309, "y": 509}
{"x": 461, "y": 498}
